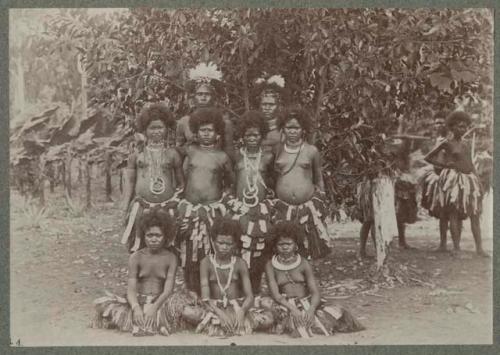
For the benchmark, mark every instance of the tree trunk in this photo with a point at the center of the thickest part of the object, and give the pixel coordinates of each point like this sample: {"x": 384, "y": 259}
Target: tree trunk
{"x": 107, "y": 171}
{"x": 51, "y": 172}
{"x": 41, "y": 181}
{"x": 19, "y": 98}
{"x": 121, "y": 181}
{"x": 244, "y": 66}
{"x": 67, "y": 176}
{"x": 88, "y": 185}
{"x": 384, "y": 216}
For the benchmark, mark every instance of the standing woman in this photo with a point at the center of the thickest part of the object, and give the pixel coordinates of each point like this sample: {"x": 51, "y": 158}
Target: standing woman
{"x": 299, "y": 181}
{"x": 252, "y": 206}
{"x": 154, "y": 176}
{"x": 429, "y": 183}
{"x": 204, "y": 79}
{"x": 209, "y": 177}
{"x": 461, "y": 191}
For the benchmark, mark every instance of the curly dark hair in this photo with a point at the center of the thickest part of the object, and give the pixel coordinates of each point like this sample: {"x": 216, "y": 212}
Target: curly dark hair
{"x": 204, "y": 116}
{"x": 157, "y": 218}
{"x": 226, "y": 226}
{"x": 287, "y": 229}
{"x": 299, "y": 114}
{"x": 153, "y": 112}
{"x": 457, "y": 117}
{"x": 252, "y": 119}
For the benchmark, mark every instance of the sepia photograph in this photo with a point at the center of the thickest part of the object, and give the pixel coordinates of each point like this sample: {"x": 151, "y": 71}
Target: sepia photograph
{"x": 250, "y": 176}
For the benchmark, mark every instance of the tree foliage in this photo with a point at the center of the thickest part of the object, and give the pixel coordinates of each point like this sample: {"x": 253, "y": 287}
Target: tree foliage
{"x": 360, "y": 72}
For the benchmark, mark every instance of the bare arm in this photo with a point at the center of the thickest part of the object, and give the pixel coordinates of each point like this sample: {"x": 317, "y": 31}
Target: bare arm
{"x": 169, "y": 282}
{"x": 130, "y": 180}
{"x": 179, "y": 174}
{"x": 317, "y": 173}
{"x": 205, "y": 286}
{"x": 435, "y": 157}
{"x": 273, "y": 288}
{"x": 312, "y": 286}
{"x": 247, "y": 286}
{"x": 229, "y": 177}
{"x": 133, "y": 267}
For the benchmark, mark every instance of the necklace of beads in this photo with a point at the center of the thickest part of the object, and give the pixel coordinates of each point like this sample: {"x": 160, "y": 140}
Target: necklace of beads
{"x": 229, "y": 266}
{"x": 157, "y": 183}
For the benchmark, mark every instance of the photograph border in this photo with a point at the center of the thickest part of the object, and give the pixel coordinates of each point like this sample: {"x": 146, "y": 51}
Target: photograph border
{"x": 5, "y": 342}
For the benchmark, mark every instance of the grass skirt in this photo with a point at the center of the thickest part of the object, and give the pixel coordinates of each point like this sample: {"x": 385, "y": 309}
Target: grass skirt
{"x": 461, "y": 193}
{"x": 311, "y": 216}
{"x": 405, "y": 193}
{"x": 255, "y": 223}
{"x": 430, "y": 192}
{"x": 195, "y": 221}
{"x": 329, "y": 319}
{"x": 137, "y": 208}
{"x": 114, "y": 312}
{"x": 209, "y": 322}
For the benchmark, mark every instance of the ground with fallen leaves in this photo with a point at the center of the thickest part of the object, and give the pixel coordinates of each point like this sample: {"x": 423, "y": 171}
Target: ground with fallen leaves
{"x": 64, "y": 258}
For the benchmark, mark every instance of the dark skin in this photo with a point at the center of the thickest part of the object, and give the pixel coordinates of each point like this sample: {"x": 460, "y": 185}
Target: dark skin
{"x": 296, "y": 183}
{"x": 455, "y": 154}
{"x": 268, "y": 106}
{"x": 209, "y": 170}
{"x": 302, "y": 275}
{"x": 239, "y": 286}
{"x": 137, "y": 173}
{"x": 183, "y": 135}
{"x": 151, "y": 272}
{"x": 440, "y": 129}
{"x": 252, "y": 140}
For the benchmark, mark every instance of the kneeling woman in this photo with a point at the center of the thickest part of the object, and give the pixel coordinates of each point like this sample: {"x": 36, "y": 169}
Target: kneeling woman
{"x": 299, "y": 182}
{"x": 151, "y": 281}
{"x": 228, "y": 303}
{"x": 300, "y": 309}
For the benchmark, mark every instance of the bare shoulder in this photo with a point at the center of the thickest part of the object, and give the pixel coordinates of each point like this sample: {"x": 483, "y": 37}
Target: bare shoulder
{"x": 311, "y": 149}
{"x": 241, "y": 264}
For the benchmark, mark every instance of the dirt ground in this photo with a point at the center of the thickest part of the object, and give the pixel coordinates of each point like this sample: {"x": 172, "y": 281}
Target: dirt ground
{"x": 63, "y": 260}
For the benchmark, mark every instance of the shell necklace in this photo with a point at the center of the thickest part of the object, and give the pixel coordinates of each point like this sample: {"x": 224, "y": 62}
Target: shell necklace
{"x": 230, "y": 266}
{"x": 253, "y": 178}
{"x": 285, "y": 267}
{"x": 157, "y": 183}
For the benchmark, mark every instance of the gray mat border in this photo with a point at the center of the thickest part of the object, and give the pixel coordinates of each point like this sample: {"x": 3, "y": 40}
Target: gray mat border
{"x": 291, "y": 350}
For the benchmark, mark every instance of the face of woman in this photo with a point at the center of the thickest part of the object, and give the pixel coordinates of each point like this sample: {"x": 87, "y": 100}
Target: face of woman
{"x": 207, "y": 134}
{"x": 156, "y": 131}
{"x": 203, "y": 96}
{"x": 224, "y": 245}
{"x": 252, "y": 137}
{"x": 286, "y": 247}
{"x": 293, "y": 131}
{"x": 154, "y": 238}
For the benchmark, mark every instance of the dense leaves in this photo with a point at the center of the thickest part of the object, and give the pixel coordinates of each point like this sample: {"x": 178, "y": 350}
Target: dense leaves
{"x": 360, "y": 72}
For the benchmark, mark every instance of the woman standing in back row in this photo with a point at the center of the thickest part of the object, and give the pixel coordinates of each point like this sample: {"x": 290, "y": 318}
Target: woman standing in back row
{"x": 299, "y": 182}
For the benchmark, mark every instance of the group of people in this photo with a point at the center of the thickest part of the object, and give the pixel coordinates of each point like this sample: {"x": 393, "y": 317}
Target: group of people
{"x": 228, "y": 213}
{"x": 225, "y": 214}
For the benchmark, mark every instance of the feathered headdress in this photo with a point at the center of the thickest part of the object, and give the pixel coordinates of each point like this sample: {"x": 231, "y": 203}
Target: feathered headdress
{"x": 274, "y": 85}
{"x": 204, "y": 74}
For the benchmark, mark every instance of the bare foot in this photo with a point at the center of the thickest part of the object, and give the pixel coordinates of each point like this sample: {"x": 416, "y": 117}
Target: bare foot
{"x": 406, "y": 246}
{"x": 366, "y": 256}
{"x": 483, "y": 254}
{"x": 441, "y": 250}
